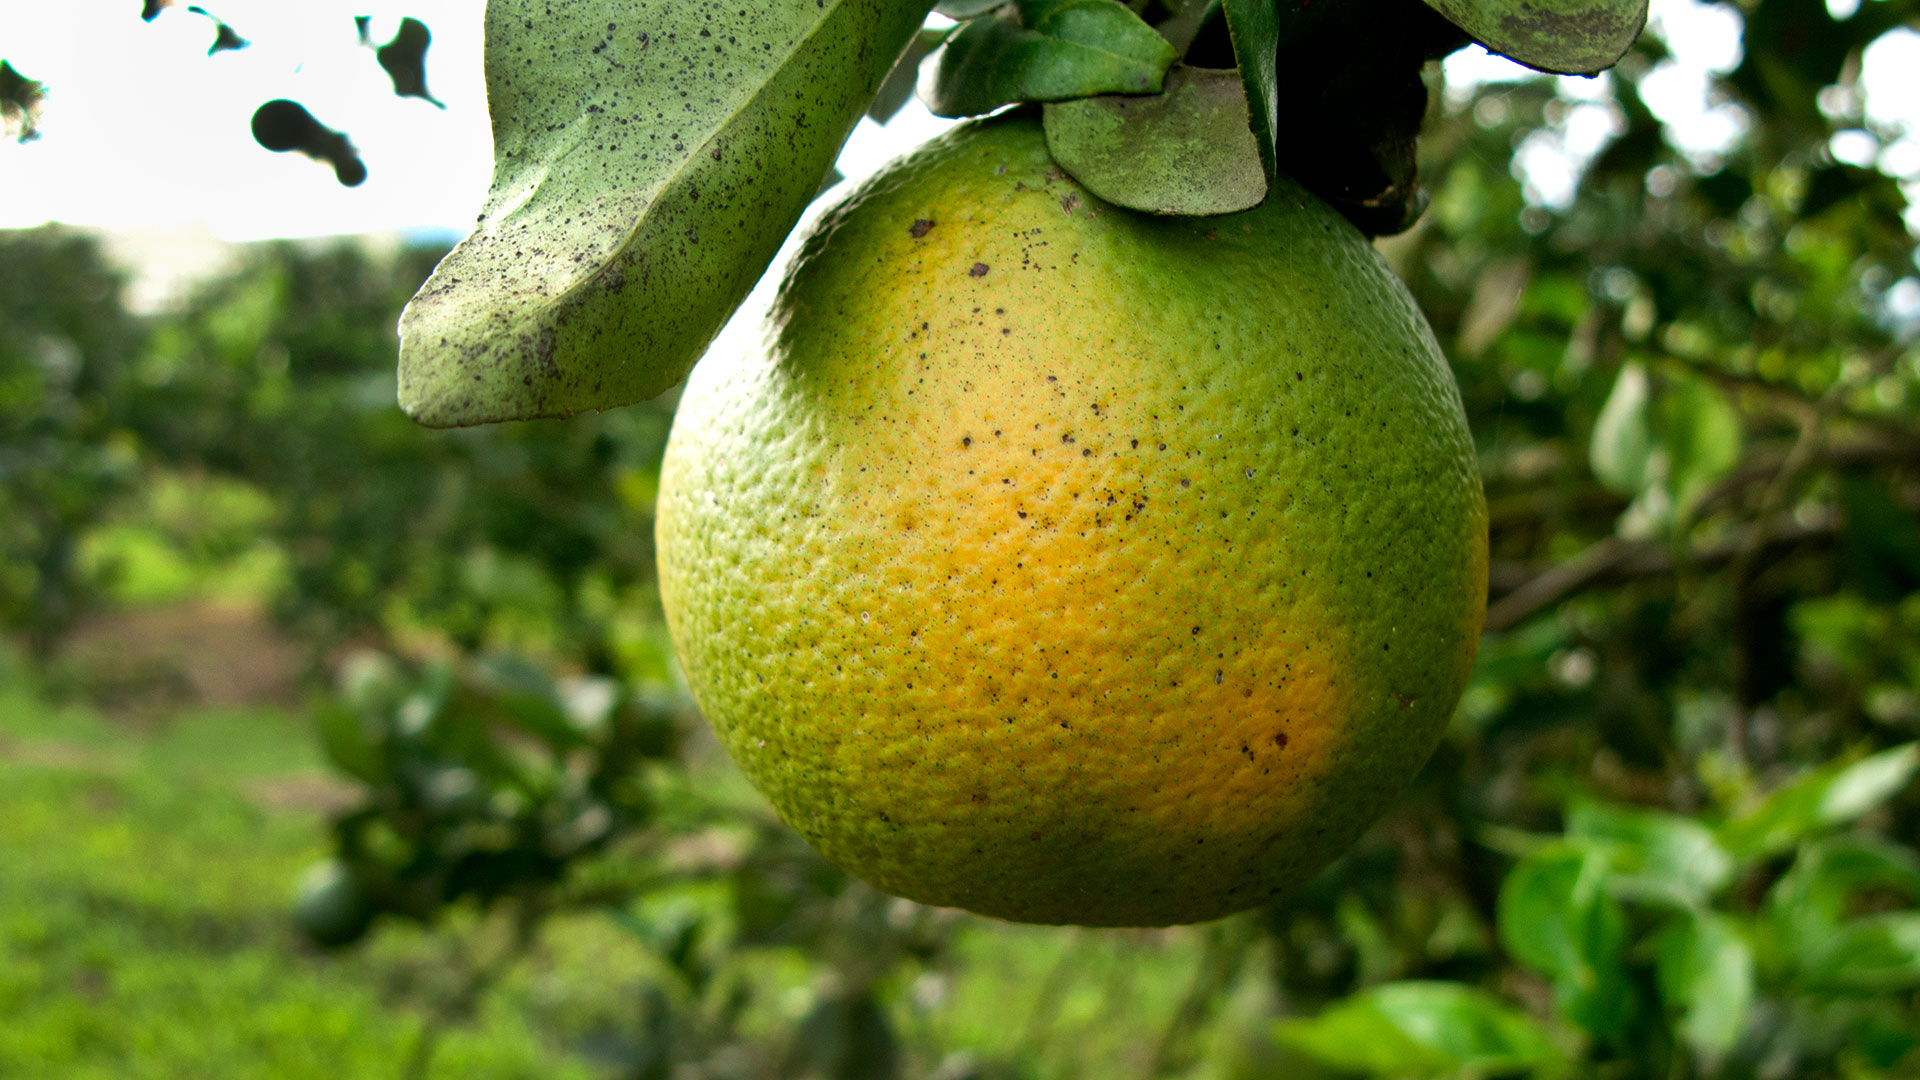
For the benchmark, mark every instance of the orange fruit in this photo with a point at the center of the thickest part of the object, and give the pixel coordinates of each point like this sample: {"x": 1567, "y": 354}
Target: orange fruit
{"x": 1073, "y": 565}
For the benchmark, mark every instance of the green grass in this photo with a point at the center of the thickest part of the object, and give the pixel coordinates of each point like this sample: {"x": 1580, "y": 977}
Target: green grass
{"x": 144, "y": 881}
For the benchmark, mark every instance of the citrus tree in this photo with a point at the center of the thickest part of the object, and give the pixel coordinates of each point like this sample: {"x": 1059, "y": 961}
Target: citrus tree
{"x": 631, "y": 213}
{"x": 1660, "y": 331}
{"x": 1669, "y": 826}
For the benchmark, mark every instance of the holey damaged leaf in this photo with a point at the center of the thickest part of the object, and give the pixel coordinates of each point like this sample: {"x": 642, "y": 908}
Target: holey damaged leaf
{"x": 649, "y": 158}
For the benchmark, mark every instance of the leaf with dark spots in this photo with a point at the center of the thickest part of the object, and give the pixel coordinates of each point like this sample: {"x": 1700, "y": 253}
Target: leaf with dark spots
{"x": 605, "y": 169}
{"x": 281, "y": 126}
{"x": 405, "y": 60}
{"x": 1186, "y": 151}
{"x": 1044, "y": 50}
{"x": 1565, "y": 37}
{"x": 20, "y": 99}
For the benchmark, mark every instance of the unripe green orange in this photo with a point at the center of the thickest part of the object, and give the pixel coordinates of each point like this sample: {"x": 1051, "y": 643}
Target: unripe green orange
{"x": 1069, "y": 564}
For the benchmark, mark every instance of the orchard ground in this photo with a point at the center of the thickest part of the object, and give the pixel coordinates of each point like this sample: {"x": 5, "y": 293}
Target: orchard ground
{"x": 147, "y": 863}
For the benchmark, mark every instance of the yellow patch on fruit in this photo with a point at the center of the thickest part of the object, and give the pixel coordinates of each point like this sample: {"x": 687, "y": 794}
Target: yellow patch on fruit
{"x": 1068, "y": 564}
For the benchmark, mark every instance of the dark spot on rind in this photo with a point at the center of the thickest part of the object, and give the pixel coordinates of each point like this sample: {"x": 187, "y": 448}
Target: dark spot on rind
{"x": 920, "y": 228}
{"x": 978, "y": 270}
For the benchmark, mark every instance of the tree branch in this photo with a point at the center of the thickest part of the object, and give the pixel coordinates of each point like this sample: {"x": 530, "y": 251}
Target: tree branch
{"x": 1520, "y": 590}
{"x": 1614, "y": 561}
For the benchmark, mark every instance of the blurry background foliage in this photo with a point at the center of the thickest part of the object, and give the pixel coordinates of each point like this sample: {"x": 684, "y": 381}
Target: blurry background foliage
{"x": 1672, "y": 831}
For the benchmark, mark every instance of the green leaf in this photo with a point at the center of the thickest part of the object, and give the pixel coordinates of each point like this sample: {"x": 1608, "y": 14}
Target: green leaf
{"x": 1186, "y": 151}
{"x": 1828, "y": 796}
{"x": 1622, "y": 442}
{"x": 1807, "y": 906}
{"x": 1879, "y": 954}
{"x": 1867, "y": 783}
{"x": 846, "y": 1036}
{"x": 371, "y": 682}
{"x": 1700, "y": 432}
{"x": 423, "y": 710}
{"x": 1537, "y": 902}
{"x": 1812, "y": 897}
{"x": 349, "y": 745}
{"x": 524, "y": 695}
{"x": 1555, "y": 915}
{"x": 1705, "y": 971}
{"x": 1655, "y": 854}
{"x": 1423, "y": 1028}
{"x": 1044, "y": 50}
{"x": 649, "y": 158}
{"x": 1254, "y": 27}
{"x": 1566, "y": 37}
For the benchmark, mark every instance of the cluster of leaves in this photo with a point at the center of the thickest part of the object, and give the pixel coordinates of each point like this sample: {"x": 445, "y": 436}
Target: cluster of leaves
{"x": 1671, "y": 831}
{"x": 1656, "y": 929}
{"x": 485, "y": 784}
{"x": 63, "y": 403}
{"x": 1674, "y": 819}
{"x": 536, "y": 538}
{"x": 492, "y": 786}
{"x": 275, "y": 385}
{"x": 650, "y": 244}
{"x": 1348, "y": 74}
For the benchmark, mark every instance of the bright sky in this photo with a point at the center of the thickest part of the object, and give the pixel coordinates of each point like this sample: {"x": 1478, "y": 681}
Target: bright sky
{"x": 142, "y": 128}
